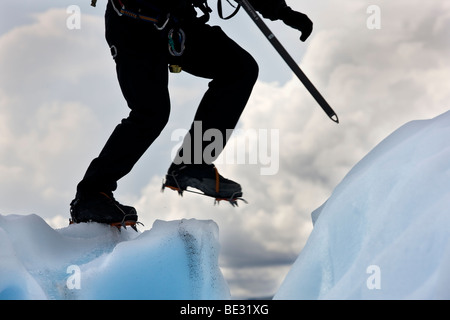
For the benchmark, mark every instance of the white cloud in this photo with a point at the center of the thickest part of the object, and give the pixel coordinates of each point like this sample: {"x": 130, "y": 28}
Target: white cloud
{"x": 59, "y": 101}
{"x": 48, "y": 82}
{"x": 375, "y": 79}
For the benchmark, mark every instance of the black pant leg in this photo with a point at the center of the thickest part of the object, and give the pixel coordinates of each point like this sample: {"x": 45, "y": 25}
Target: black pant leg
{"x": 141, "y": 64}
{"x": 211, "y": 54}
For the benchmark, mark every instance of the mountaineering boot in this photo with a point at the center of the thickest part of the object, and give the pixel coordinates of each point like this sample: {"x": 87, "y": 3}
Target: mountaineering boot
{"x": 205, "y": 178}
{"x": 101, "y": 207}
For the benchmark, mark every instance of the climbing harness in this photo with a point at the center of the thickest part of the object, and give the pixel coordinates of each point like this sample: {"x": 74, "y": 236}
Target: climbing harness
{"x": 159, "y": 22}
{"x": 201, "y": 4}
{"x": 176, "y": 36}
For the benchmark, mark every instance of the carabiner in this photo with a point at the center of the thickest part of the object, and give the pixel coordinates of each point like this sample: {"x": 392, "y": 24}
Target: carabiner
{"x": 176, "y": 43}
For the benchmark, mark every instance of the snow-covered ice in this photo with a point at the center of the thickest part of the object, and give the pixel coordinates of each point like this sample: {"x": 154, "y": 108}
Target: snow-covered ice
{"x": 385, "y": 231}
{"x": 383, "y": 234}
{"x": 172, "y": 260}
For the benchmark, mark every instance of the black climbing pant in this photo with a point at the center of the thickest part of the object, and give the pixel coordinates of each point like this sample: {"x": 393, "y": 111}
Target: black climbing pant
{"x": 142, "y": 57}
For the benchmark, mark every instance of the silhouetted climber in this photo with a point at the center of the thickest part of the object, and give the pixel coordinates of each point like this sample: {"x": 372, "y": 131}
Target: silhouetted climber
{"x": 145, "y": 37}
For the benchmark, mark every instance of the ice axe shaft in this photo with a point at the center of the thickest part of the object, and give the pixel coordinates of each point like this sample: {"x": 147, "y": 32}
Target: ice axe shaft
{"x": 288, "y": 59}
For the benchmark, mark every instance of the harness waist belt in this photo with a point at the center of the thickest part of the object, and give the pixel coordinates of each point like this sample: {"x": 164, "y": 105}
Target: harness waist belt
{"x": 136, "y": 13}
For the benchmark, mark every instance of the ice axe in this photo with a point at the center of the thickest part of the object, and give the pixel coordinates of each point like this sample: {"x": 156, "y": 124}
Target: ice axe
{"x": 288, "y": 59}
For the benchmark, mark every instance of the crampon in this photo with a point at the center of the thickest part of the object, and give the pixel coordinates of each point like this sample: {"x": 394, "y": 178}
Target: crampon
{"x": 233, "y": 199}
{"x": 122, "y": 224}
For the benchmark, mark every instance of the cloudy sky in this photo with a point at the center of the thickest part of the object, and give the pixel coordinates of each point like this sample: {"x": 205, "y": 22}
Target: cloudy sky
{"x": 378, "y": 67}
